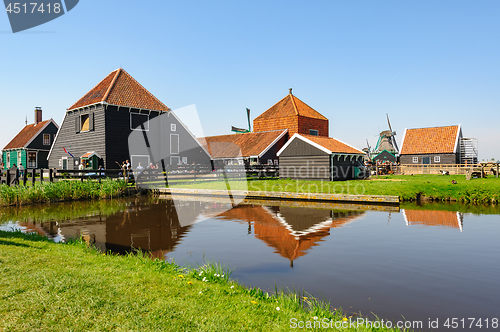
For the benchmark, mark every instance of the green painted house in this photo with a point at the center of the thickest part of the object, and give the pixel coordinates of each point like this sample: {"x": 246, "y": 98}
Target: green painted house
{"x": 32, "y": 144}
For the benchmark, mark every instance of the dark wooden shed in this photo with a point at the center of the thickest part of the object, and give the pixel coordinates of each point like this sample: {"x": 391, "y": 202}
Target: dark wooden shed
{"x": 320, "y": 158}
{"x": 385, "y": 156}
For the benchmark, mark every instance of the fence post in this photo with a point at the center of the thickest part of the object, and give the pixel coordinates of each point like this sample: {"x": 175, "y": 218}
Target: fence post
{"x": 25, "y": 176}
{"x": 16, "y": 181}
{"x": 497, "y": 170}
{"x": 33, "y": 175}
{"x": 41, "y": 175}
{"x": 7, "y": 177}
{"x": 51, "y": 179}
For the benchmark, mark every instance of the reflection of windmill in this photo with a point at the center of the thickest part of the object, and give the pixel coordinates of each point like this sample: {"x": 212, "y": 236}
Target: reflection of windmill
{"x": 387, "y": 140}
{"x": 241, "y": 130}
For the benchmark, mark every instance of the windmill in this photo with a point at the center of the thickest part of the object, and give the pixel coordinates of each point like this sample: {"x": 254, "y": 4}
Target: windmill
{"x": 368, "y": 151}
{"x": 241, "y": 130}
{"x": 387, "y": 140}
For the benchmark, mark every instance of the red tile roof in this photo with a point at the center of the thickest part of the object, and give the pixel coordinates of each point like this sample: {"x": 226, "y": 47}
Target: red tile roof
{"x": 290, "y": 105}
{"x": 119, "y": 88}
{"x": 433, "y": 218}
{"x": 25, "y": 135}
{"x": 430, "y": 140}
{"x": 331, "y": 144}
{"x": 229, "y": 146}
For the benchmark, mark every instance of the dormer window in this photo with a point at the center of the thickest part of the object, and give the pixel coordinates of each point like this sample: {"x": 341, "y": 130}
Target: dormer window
{"x": 313, "y": 132}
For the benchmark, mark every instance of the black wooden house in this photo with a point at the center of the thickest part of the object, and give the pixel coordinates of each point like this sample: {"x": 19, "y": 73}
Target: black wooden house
{"x": 100, "y": 123}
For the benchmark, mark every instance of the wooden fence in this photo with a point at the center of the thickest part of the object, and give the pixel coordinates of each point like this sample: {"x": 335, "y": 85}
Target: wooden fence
{"x": 452, "y": 169}
{"x": 173, "y": 174}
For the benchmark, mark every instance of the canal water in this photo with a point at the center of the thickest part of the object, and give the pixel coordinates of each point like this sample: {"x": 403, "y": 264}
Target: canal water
{"x": 418, "y": 263}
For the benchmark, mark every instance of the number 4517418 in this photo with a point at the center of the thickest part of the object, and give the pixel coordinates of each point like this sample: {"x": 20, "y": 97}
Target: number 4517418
{"x": 33, "y": 7}
{"x": 454, "y": 323}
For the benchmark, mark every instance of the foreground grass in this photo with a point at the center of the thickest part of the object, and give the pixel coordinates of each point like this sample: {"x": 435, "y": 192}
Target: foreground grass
{"x": 60, "y": 191}
{"x": 69, "y": 287}
{"x": 407, "y": 187}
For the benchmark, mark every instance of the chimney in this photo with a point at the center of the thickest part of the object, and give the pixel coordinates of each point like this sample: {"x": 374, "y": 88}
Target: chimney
{"x": 38, "y": 115}
{"x": 290, "y": 90}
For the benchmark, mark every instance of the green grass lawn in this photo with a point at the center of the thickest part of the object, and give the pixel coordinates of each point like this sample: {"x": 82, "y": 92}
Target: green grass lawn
{"x": 407, "y": 187}
{"x": 46, "y": 286}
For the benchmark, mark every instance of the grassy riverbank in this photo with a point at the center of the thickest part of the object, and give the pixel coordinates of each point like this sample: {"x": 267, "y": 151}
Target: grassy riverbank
{"x": 60, "y": 191}
{"x": 62, "y": 287}
{"x": 407, "y": 187}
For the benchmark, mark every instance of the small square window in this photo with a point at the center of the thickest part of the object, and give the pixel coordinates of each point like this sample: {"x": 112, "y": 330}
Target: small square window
{"x": 173, "y": 127}
{"x": 139, "y": 121}
{"x": 415, "y": 159}
{"x": 437, "y": 159}
{"x": 184, "y": 160}
{"x": 313, "y": 132}
{"x": 46, "y": 139}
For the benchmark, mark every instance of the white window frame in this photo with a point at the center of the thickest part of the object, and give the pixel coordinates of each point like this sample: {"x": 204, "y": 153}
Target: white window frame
{"x": 415, "y": 160}
{"x": 8, "y": 159}
{"x": 175, "y": 157}
{"x": 178, "y": 143}
{"x": 46, "y": 139}
{"x": 173, "y": 127}
{"x": 28, "y": 159}
{"x": 184, "y": 160}
{"x": 437, "y": 159}
{"x": 19, "y": 158}
{"x": 146, "y": 123}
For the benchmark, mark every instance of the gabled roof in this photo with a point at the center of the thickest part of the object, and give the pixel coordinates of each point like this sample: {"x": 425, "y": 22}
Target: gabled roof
{"x": 326, "y": 144}
{"x": 430, "y": 140}
{"x": 433, "y": 218}
{"x": 290, "y": 105}
{"x": 90, "y": 154}
{"x": 250, "y": 144}
{"x": 27, "y": 134}
{"x": 119, "y": 88}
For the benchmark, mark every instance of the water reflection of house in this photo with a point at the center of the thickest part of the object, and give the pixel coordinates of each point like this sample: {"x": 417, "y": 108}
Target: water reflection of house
{"x": 291, "y": 231}
{"x": 434, "y": 218}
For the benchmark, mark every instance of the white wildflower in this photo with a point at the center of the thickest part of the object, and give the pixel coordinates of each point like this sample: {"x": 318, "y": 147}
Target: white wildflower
{"x": 278, "y": 308}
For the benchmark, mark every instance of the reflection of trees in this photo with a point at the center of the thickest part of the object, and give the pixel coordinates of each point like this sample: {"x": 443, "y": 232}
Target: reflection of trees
{"x": 291, "y": 231}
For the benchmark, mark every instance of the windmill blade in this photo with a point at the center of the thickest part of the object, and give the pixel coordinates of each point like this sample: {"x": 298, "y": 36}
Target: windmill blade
{"x": 368, "y": 145}
{"x": 389, "y": 122}
{"x": 248, "y": 117}
{"x": 394, "y": 143}
{"x": 238, "y": 130}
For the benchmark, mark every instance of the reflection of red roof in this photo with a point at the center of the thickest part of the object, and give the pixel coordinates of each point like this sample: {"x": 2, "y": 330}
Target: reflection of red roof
{"x": 433, "y": 218}
{"x": 430, "y": 140}
{"x": 250, "y": 144}
{"x": 25, "y": 135}
{"x": 119, "y": 88}
{"x": 269, "y": 228}
{"x": 290, "y": 105}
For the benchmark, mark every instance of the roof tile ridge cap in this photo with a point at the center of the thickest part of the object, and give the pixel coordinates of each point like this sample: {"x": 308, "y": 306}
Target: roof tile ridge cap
{"x": 150, "y": 94}
{"x": 293, "y": 103}
{"x": 110, "y": 87}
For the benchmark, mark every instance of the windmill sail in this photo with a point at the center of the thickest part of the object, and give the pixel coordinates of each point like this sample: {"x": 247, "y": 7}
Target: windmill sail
{"x": 241, "y": 130}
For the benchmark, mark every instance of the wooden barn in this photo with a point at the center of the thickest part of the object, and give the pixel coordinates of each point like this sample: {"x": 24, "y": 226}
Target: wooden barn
{"x": 320, "y": 158}
{"x": 385, "y": 156}
{"x": 437, "y": 145}
{"x": 293, "y": 114}
{"x": 247, "y": 149}
{"x": 32, "y": 144}
{"x": 99, "y": 125}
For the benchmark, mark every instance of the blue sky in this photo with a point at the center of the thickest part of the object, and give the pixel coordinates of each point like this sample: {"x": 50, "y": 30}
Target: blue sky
{"x": 426, "y": 63}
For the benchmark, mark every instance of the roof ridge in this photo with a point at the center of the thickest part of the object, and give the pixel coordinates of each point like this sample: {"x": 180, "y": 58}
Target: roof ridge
{"x": 118, "y": 71}
{"x": 271, "y": 107}
{"x": 293, "y": 103}
{"x": 147, "y": 91}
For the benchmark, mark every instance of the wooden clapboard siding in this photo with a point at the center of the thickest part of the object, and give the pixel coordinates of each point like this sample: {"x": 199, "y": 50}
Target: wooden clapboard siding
{"x": 82, "y": 142}
{"x": 445, "y": 158}
{"x": 311, "y": 168}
